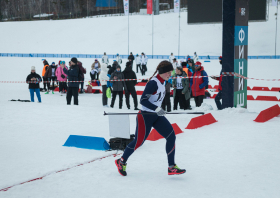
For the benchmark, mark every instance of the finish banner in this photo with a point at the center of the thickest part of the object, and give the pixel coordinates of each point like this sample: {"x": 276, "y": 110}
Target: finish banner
{"x": 126, "y": 7}
{"x": 149, "y": 6}
{"x": 241, "y": 52}
{"x": 176, "y": 5}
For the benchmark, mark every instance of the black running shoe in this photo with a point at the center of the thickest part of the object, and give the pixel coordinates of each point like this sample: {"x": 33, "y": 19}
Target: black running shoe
{"x": 121, "y": 167}
{"x": 175, "y": 170}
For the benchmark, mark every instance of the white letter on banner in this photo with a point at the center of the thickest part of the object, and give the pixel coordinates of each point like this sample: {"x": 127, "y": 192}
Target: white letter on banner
{"x": 126, "y": 7}
{"x": 241, "y": 68}
{"x": 239, "y": 99}
{"x": 240, "y": 87}
{"x": 241, "y": 51}
{"x": 176, "y": 5}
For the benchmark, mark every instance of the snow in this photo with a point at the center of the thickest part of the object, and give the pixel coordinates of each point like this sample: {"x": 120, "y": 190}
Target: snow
{"x": 234, "y": 157}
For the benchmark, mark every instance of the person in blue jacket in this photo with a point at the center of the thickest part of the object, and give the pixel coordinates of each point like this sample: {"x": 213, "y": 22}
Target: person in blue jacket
{"x": 152, "y": 115}
{"x": 73, "y": 75}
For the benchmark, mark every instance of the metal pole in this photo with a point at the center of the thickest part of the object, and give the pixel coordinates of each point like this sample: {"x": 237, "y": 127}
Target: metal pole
{"x": 153, "y": 34}
{"x": 179, "y": 30}
{"x": 276, "y": 30}
{"x": 128, "y": 33}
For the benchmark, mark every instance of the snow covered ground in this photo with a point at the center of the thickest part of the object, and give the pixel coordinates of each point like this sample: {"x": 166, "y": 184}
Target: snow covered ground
{"x": 233, "y": 158}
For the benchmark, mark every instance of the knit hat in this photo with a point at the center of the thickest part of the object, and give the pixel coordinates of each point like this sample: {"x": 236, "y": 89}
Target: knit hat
{"x": 53, "y": 62}
{"x": 74, "y": 60}
{"x": 118, "y": 67}
{"x": 198, "y": 63}
{"x": 33, "y": 68}
{"x": 128, "y": 64}
{"x": 220, "y": 58}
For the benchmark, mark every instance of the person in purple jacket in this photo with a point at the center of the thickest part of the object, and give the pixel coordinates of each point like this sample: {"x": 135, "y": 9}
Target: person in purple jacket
{"x": 152, "y": 115}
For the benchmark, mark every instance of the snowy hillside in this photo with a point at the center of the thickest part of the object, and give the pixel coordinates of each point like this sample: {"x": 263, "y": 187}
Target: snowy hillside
{"x": 110, "y": 34}
{"x": 232, "y": 158}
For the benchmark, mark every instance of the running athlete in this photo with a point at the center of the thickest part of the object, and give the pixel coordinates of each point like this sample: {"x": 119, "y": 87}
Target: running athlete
{"x": 152, "y": 115}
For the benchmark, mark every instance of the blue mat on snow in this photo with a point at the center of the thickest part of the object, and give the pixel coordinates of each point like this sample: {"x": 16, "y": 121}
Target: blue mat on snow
{"x": 87, "y": 142}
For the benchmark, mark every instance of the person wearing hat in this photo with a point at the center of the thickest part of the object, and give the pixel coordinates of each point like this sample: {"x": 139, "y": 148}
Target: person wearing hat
{"x": 130, "y": 85}
{"x": 95, "y": 70}
{"x": 144, "y": 60}
{"x": 45, "y": 80}
{"x": 138, "y": 63}
{"x": 220, "y": 89}
{"x": 62, "y": 78}
{"x": 131, "y": 59}
{"x": 152, "y": 115}
{"x": 195, "y": 57}
{"x": 73, "y": 75}
{"x": 105, "y": 59}
{"x": 50, "y": 75}
{"x": 118, "y": 86}
{"x": 171, "y": 57}
{"x": 118, "y": 59}
{"x": 33, "y": 79}
{"x": 175, "y": 64}
{"x": 198, "y": 83}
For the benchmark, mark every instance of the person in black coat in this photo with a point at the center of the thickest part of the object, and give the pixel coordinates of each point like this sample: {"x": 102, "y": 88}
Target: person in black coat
{"x": 130, "y": 85}
{"x": 73, "y": 75}
{"x": 33, "y": 79}
{"x": 131, "y": 59}
{"x": 113, "y": 68}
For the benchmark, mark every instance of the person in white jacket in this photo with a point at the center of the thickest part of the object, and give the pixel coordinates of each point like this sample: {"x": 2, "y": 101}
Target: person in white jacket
{"x": 103, "y": 80}
{"x": 105, "y": 59}
{"x": 175, "y": 64}
{"x": 195, "y": 57}
{"x": 171, "y": 57}
{"x": 118, "y": 59}
{"x": 144, "y": 60}
{"x": 138, "y": 63}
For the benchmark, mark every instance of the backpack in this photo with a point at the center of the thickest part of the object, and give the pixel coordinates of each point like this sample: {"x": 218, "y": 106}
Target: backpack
{"x": 206, "y": 86}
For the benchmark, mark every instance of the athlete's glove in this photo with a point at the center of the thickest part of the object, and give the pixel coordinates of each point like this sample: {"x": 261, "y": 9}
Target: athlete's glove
{"x": 160, "y": 111}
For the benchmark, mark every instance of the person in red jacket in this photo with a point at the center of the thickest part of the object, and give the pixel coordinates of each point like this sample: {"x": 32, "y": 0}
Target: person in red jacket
{"x": 219, "y": 95}
{"x": 198, "y": 84}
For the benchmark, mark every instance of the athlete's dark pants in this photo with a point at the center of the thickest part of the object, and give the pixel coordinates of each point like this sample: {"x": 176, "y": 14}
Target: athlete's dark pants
{"x": 198, "y": 100}
{"x": 144, "y": 124}
{"x": 62, "y": 86}
{"x": 46, "y": 83}
{"x": 115, "y": 93}
{"x": 104, "y": 96}
{"x": 72, "y": 91}
{"x": 217, "y": 100}
{"x": 134, "y": 96}
{"x": 144, "y": 69}
{"x": 166, "y": 102}
{"x": 140, "y": 68}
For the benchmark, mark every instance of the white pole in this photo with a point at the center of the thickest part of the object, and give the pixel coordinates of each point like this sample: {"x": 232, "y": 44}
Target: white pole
{"x": 153, "y": 34}
{"x": 128, "y": 33}
{"x": 179, "y": 31}
{"x": 276, "y": 30}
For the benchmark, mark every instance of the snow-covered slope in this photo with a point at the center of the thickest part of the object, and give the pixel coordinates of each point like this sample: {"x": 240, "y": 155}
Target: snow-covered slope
{"x": 110, "y": 34}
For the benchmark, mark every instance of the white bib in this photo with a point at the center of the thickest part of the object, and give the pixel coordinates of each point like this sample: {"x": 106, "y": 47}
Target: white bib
{"x": 156, "y": 98}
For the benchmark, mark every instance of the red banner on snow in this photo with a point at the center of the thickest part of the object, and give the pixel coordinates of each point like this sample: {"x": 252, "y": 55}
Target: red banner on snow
{"x": 149, "y": 6}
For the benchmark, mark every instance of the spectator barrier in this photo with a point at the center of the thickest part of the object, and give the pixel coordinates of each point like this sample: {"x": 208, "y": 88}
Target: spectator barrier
{"x": 122, "y": 56}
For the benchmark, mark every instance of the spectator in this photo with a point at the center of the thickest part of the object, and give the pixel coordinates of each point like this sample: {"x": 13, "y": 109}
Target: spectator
{"x": 61, "y": 77}
{"x": 50, "y": 75}
{"x": 195, "y": 57}
{"x": 73, "y": 75}
{"x": 131, "y": 59}
{"x": 138, "y": 63}
{"x": 118, "y": 59}
{"x": 45, "y": 80}
{"x": 219, "y": 95}
{"x": 113, "y": 68}
{"x": 190, "y": 64}
{"x": 130, "y": 85}
{"x": 33, "y": 79}
{"x": 105, "y": 59}
{"x": 144, "y": 60}
{"x": 175, "y": 63}
{"x": 82, "y": 71}
{"x": 118, "y": 86}
{"x": 198, "y": 84}
{"x": 181, "y": 92}
{"x": 104, "y": 83}
{"x": 171, "y": 58}
{"x": 166, "y": 104}
{"x": 95, "y": 70}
